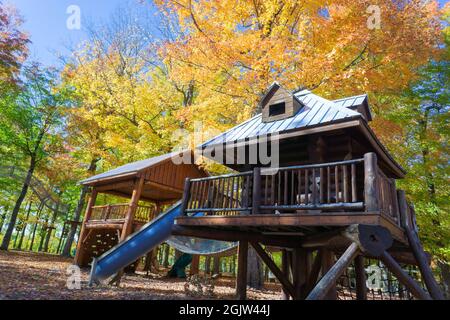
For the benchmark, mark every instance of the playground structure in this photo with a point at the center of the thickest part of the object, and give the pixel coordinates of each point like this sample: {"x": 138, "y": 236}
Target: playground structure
{"x": 330, "y": 205}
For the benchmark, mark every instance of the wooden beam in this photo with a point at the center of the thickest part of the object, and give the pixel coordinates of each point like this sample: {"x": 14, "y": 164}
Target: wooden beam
{"x": 285, "y": 270}
{"x": 274, "y": 269}
{"x": 163, "y": 187}
{"x": 256, "y": 194}
{"x": 195, "y": 265}
{"x": 79, "y": 256}
{"x": 301, "y": 270}
{"x": 315, "y": 271}
{"x": 403, "y": 277}
{"x": 129, "y": 218}
{"x": 416, "y": 248}
{"x": 370, "y": 182}
{"x": 241, "y": 278}
{"x": 360, "y": 275}
{"x": 225, "y": 235}
{"x": 328, "y": 261}
{"x": 117, "y": 185}
{"x": 104, "y": 226}
{"x": 329, "y": 279}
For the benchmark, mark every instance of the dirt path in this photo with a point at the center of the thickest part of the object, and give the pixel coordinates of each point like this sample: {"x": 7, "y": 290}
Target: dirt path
{"x": 34, "y": 276}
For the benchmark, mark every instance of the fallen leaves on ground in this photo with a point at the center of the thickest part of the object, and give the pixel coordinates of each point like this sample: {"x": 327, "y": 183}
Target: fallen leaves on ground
{"x": 40, "y": 276}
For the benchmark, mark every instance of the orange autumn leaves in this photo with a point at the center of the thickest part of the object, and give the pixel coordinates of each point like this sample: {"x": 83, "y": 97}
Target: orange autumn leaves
{"x": 237, "y": 48}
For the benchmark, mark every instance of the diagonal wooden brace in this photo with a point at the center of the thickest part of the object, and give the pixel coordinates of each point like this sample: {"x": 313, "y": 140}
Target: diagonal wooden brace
{"x": 274, "y": 269}
{"x": 329, "y": 279}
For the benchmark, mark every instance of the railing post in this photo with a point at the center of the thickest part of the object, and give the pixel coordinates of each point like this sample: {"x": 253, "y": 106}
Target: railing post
{"x": 256, "y": 194}
{"x": 79, "y": 256}
{"x": 370, "y": 182}
{"x": 403, "y": 208}
{"x": 108, "y": 212}
{"x": 186, "y": 193}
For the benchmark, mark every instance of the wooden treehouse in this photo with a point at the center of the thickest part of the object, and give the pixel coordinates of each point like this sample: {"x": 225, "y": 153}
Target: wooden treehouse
{"x": 148, "y": 184}
{"x": 331, "y": 200}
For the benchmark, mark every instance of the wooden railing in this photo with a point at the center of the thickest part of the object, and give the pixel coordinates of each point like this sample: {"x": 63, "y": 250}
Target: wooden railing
{"x": 119, "y": 211}
{"x": 387, "y": 193}
{"x": 351, "y": 185}
{"x": 226, "y": 194}
{"x": 321, "y": 186}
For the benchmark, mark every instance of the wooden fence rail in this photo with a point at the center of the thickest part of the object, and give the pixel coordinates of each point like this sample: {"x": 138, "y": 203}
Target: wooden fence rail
{"x": 358, "y": 185}
{"x": 119, "y": 211}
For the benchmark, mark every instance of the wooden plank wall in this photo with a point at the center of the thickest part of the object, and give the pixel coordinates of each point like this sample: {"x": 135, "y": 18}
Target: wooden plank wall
{"x": 170, "y": 174}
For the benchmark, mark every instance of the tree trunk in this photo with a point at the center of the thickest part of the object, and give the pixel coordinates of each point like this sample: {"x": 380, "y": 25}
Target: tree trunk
{"x": 44, "y": 229}
{"x": 216, "y": 265}
{"x": 445, "y": 278}
{"x": 80, "y": 206}
{"x": 24, "y": 227}
{"x": 166, "y": 255}
{"x": 38, "y": 215}
{"x": 207, "y": 264}
{"x": 5, "y": 212}
{"x": 255, "y": 270}
{"x": 52, "y": 223}
{"x": 15, "y": 212}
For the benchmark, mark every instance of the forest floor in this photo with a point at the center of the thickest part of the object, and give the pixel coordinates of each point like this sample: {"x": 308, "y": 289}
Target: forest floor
{"x": 34, "y": 276}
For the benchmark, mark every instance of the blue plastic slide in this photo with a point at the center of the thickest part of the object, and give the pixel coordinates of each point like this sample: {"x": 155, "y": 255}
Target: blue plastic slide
{"x": 136, "y": 245}
{"x": 149, "y": 236}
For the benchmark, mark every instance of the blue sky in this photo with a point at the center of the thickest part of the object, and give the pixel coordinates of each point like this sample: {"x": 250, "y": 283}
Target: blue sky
{"x": 45, "y": 21}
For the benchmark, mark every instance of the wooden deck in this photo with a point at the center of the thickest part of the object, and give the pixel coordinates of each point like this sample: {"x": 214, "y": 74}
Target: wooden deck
{"x": 293, "y": 224}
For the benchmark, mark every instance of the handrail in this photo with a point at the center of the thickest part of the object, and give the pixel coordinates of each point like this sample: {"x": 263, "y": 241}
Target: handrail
{"x": 314, "y": 166}
{"x": 230, "y": 175}
{"x": 349, "y": 185}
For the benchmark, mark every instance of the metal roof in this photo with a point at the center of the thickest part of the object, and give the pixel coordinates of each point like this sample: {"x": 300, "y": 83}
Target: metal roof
{"x": 131, "y": 168}
{"x": 315, "y": 111}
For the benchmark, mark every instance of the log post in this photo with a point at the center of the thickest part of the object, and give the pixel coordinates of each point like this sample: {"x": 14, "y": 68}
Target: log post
{"x": 80, "y": 254}
{"x": 328, "y": 281}
{"x": 129, "y": 218}
{"x": 403, "y": 277}
{"x": 194, "y": 264}
{"x": 361, "y": 290}
{"x": 285, "y": 270}
{"x": 328, "y": 262}
{"x": 256, "y": 194}
{"x": 241, "y": 278}
{"x": 370, "y": 182}
{"x": 300, "y": 272}
{"x": 283, "y": 278}
{"x": 186, "y": 193}
{"x": 416, "y": 247}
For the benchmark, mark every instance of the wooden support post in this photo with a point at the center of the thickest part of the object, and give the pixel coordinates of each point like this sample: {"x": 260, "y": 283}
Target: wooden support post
{"x": 328, "y": 261}
{"x": 241, "y": 278}
{"x": 403, "y": 277}
{"x": 315, "y": 271}
{"x": 370, "y": 182}
{"x": 285, "y": 270}
{"x": 129, "y": 218}
{"x": 416, "y": 248}
{"x": 79, "y": 256}
{"x": 194, "y": 265}
{"x": 256, "y": 194}
{"x": 283, "y": 278}
{"x": 329, "y": 279}
{"x": 300, "y": 272}
{"x": 186, "y": 194}
{"x": 360, "y": 273}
